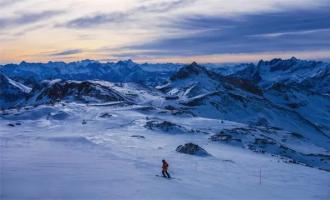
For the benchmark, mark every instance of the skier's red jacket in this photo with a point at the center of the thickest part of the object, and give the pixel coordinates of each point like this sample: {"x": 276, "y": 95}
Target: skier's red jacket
{"x": 165, "y": 166}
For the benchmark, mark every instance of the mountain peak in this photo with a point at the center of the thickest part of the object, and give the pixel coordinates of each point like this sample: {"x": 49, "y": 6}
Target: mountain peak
{"x": 23, "y": 63}
{"x": 293, "y": 58}
{"x": 126, "y": 62}
{"x": 194, "y": 63}
{"x": 189, "y": 70}
{"x": 278, "y": 64}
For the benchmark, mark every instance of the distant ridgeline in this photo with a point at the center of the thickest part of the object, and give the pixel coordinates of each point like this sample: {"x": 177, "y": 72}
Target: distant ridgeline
{"x": 296, "y": 91}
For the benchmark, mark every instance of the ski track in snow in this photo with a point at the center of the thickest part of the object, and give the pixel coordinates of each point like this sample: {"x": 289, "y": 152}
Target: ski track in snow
{"x": 65, "y": 159}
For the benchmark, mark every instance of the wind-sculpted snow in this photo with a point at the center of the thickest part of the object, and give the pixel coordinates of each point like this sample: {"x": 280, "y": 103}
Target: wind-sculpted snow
{"x": 71, "y": 140}
{"x": 276, "y": 142}
{"x": 101, "y": 158}
{"x": 41, "y": 112}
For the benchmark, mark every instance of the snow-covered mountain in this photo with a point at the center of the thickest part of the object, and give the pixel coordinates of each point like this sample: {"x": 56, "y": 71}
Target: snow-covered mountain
{"x": 207, "y": 94}
{"x": 275, "y": 108}
{"x": 311, "y": 75}
{"x": 74, "y": 91}
{"x": 11, "y": 92}
{"x": 312, "y": 106}
{"x": 121, "y": 71}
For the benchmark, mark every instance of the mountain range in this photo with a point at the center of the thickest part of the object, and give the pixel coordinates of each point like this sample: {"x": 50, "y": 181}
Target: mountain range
{"x": 284, "y": 104}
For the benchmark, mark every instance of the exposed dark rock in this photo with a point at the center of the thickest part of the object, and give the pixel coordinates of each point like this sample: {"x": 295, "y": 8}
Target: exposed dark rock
{"x": 166, "y": 126}
{"x": 296, "y": 135}
{"x": 174, "y": 97}
{"x": 192, "y": 149}
{"x": 250, "y": 72}
{"x": 230, "y": 135}
{"x": 262, "y": 122}
{"x": 245, "y": 85}
{"x": 79, "y": 91}
{"x": 105, "y": 115}
{"x": 138, "y": 136}
{"x": 145, "y": 108}
{"x": 188, "y": 70}
{"x": 227, "y": 82}
{"x": 279, "y": 87}
{"x": 263, "y": 141}
{"x": 169, "y": 107}
{"x": 221, "y": 137}
{"x": 294, "y": 105}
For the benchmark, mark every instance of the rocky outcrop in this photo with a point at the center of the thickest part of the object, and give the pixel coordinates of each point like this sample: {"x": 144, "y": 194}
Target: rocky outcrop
{"x": 85, "y": 91}
{"x": 166, "y": 126}
{"x": 192, "y": 149}
{"x": 189, "y": 70}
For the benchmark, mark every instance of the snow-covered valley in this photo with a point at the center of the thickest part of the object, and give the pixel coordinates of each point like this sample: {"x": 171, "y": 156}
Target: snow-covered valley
{"x": 96, "y": 136}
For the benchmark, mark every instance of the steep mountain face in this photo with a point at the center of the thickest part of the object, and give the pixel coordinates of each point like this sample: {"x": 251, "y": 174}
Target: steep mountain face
{"x": 300, "y": 86}
{"x": 75, "y": 91}
{"x": 11, "y": 92}
{"x": 311, "y": 75}
{"x": 207, "y": 94}
{"x": 311, "y": 105}
{"x": 249, "y": 72}
{"x": 194, "y": 80}
{"x": 191, "y": 70}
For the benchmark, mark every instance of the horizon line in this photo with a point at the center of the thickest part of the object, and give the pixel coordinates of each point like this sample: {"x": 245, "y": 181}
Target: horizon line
{"x": 154, "y": 61}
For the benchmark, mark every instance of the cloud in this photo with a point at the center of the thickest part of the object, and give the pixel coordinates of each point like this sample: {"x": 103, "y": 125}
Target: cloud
{"x": 160, "y": 28}
{"x": 66, "y": 52}
{"x": 90, "y": 21}
{"x": 4, "y": 3}
{"x": 27, "y": 18}
{"x": 163, "y": 6}
{"x": 117, "y": 17}
{"x": 288, "y": 30}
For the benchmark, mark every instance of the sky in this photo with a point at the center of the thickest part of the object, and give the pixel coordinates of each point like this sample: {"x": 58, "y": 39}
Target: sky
{"x": 213, "y": 31}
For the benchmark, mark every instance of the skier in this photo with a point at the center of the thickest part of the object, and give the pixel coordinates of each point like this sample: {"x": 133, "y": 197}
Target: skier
{"x": 164, "y": 169}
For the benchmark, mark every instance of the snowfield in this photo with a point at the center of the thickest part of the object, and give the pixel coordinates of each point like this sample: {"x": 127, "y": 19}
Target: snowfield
{"x": 92, "y": 130}
{"x": 79, "y": 151}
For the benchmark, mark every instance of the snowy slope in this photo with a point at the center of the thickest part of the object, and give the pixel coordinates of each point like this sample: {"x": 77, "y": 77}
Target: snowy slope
{"x": 64, "y": 158}
{"x": 209, "y": 95}
{"x": 11, "y": 92}
{"x": 312, "y": 106}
